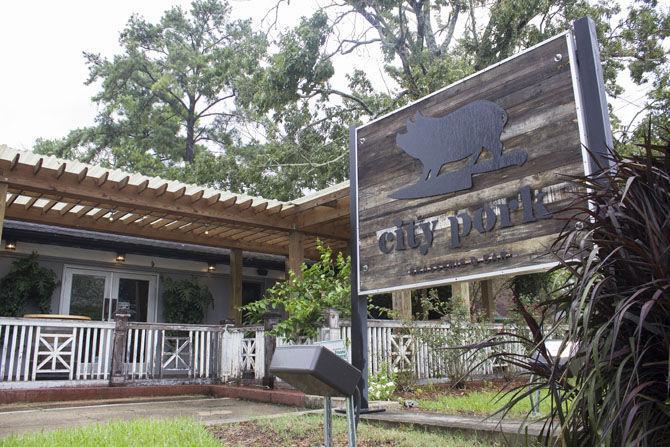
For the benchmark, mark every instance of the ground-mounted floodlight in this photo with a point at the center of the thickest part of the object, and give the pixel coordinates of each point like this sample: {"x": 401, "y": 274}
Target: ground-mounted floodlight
{"x": 316, "y": 370}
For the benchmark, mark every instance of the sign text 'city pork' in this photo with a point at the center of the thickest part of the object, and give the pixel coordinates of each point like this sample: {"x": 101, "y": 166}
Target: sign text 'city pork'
{"x": 471, "y": 181}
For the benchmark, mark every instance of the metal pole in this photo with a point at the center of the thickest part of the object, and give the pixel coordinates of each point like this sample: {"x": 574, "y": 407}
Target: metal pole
{"x": 359, "y": 304}
{"x": 593, "y": 95}
{"x": 351, "y": 421}
{"x": 327, "y": 422}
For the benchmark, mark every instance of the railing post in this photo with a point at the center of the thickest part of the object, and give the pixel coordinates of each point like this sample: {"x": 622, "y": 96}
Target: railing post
{"x": 117, "y": 376}
{"x": 270, "y": 320}
{"x": 332, "y": 329}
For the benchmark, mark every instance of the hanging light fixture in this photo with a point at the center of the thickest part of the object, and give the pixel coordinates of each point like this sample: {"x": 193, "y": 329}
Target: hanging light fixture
{"x": 206, "y": 229}
{"x": 111, "y": 214}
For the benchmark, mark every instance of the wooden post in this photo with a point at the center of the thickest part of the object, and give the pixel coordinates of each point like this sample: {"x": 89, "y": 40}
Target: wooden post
{"x": 117, "y": 376}
{"x": 236, "y": 284}
{"x": 270, "y": 320}
{"x": 460, "y": 294}
{"x": 402, "y": 303}
{"x": 488, "y": 299}
{"x": 3, "y": 204}
{"x": 296, "y": 252}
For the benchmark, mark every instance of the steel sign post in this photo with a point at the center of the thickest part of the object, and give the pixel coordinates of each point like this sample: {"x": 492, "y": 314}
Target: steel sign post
{"x": 472, "y": 181}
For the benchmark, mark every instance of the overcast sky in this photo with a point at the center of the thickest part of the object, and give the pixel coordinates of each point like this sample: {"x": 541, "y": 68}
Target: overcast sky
{"x": 42, "y": 73}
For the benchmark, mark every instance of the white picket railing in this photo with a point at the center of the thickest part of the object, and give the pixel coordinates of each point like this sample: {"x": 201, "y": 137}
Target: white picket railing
{"x": 34, "y": 350}
{"x": 41, "y": 352}
{"x": 401, "y": 347}
{"x": 165, "y": 351}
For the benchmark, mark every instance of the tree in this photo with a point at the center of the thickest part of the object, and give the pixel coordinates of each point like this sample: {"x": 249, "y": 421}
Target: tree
{"x": 171, "y": 93}
{"x": 200, "y": 88}
{"x": 428, "y": 44}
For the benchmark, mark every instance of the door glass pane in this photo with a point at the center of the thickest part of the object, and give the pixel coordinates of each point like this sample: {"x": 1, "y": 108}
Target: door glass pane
{"x": 135, "y": 292}
{"x": 86, "y": 295}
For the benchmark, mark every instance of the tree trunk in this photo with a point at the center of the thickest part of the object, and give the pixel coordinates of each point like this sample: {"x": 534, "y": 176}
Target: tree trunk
{"x": 190, "y": 131}
{"x": 190, "y": 137}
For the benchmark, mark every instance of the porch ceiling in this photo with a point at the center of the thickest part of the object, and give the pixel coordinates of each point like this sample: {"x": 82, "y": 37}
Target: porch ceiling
{"x": 68, "y": 193}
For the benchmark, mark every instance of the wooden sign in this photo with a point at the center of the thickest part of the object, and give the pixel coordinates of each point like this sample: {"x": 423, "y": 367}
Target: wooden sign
{"x": 470, "y": 182}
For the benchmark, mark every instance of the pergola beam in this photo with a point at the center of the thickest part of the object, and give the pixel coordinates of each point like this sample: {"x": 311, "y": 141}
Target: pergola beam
{"x": 70, "y": 188}
{"x": 119, "y": 227}
{"x": 44, "y": 189}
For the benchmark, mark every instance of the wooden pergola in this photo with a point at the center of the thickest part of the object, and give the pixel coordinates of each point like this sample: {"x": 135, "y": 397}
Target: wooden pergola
{"x": 52, "y": 191}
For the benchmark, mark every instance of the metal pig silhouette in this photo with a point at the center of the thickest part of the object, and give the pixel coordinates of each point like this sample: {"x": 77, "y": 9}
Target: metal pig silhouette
{"x": 463, "y": 133}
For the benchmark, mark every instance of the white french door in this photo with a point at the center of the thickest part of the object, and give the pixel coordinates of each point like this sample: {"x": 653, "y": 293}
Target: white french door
{"x": 96, "y": 293}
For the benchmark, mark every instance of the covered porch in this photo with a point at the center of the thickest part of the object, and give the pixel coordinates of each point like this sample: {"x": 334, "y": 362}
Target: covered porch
{"x": 103, "y": 216}
{"x": 113, "y": 238}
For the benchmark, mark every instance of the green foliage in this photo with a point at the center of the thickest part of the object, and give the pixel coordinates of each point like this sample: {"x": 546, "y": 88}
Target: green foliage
{"x": 615, "y": 307}
{"x": 382, "y": 385}
{"x": 451, "y": 348}
{"x": 169, "y": 95}
{"x": 482, "y": 403}
{"x": 26, "y": 282}
{"x": 429, "y": 301}
{"x": 201, "y": 98}
{"x": 323, "y": 285}
{"x": 535, "y": 288}
{"x": 174, "y": 432}
{"x": 185, "y": 301}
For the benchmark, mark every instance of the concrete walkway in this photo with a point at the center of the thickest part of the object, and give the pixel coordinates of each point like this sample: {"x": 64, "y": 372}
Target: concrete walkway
{"x": 514, "y": 431}
{"x": 20, "y": 418}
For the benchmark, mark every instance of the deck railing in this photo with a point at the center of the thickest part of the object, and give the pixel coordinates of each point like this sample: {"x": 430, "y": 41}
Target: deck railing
{"x": 419, "y": 347}
{"x": 41, "y": 350}
{"x": 42, "y": 353}
{"x": 176, "y": 351}
{"x": 45, "y": 353}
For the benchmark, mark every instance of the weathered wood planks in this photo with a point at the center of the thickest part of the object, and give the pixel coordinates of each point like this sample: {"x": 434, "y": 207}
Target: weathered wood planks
{"x": 516, "y": 211}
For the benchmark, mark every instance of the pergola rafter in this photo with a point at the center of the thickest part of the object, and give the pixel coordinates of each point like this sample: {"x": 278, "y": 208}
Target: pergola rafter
{"x": 48, "y": 190}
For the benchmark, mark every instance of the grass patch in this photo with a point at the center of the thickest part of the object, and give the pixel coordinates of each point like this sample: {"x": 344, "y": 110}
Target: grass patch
{"x": 307, "y": 430}
{"x": 477, "y": 403}
{"x": 137, "y": 432}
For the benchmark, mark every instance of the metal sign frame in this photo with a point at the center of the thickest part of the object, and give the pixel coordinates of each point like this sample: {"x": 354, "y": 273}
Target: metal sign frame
{"x": 595, "y": 134}
{"x": 589, "y": 99}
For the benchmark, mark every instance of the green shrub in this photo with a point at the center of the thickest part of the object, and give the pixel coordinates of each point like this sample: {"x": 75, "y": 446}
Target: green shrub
{"x": 26, "y": 281}
{"x": 185, "y": 301}
{"x": 325, "y": 284}
{"x": 382, "y": 385}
